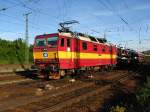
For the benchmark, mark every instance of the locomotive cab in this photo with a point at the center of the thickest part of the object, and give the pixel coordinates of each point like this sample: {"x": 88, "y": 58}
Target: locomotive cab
{"x": 45, "y": 53}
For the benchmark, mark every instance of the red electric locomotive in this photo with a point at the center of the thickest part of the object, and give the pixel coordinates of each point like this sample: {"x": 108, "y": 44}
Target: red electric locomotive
{"x": 57, "y": 53}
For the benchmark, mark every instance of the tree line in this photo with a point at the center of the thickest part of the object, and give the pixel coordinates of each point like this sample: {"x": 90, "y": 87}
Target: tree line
{"x": 13, "y": 52}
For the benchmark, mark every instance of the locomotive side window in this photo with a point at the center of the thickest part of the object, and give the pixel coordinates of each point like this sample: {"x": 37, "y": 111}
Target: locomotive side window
{"x": 40, "y": 42}
{"x": 62, "y": 42}
{"x": 94, "y": 47}
{"x": 84, "y": 46}
{"x": 68, "y": 42}
{"x": 103, "y": 50}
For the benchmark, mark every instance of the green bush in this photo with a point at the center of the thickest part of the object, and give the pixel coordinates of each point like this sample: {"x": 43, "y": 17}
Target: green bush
{"x": 118, "y": 109}
{"x": 13, "y": 52}
{"x": 143, "y": 95}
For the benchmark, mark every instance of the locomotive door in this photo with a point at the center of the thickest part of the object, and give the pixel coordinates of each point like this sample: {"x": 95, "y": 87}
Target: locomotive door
{"x": 73, "y": 55}
{"x": 77, "y": 53}
{"x": 69, "y": 53}
{"x": 111, "y": 55}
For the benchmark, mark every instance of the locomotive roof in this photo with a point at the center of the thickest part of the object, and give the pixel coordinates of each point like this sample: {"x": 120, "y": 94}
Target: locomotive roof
{"x": 42, "y": 36}
{"x": 85, "y": 37}
{"x": 78, "y": 36}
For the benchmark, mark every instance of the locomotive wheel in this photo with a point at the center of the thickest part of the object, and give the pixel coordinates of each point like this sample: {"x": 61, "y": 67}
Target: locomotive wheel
{"x": 108, "y": 68}
{"x": 100, "y": 69}
{"x": 111, "y": 68}
{"x": 56, "y": 76}
{"x": 77, "y": 72}
{"x": 62, "y": 73}
{"x": 46, "y": 76}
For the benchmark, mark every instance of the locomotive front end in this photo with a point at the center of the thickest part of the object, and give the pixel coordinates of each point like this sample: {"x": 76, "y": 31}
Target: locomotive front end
{"x": 46, "y": 55}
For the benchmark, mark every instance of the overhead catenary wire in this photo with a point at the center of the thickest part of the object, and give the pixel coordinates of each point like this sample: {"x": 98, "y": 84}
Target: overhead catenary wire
{"x": 20, "y": 23}
{"x": 21, "y": 4}
{"x": 39, "y": 12}
{"x": 65, "y": 13}
{"x": 65, "y": 10}
{"x": 24, "y": 5}
{"x": 33, "y": 1}
{"x": 122, "y": 19}
{"x": 125, "y": 4}
{"x": 112, "y": 9}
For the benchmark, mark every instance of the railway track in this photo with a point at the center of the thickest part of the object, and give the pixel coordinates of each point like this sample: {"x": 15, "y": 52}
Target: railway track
{"x": 67, "y": 96}
{"x": 14, "y": 77}
{"x": 4, "y": 74}
{"x": 15, "y": 81}
{"x": 87, "y": 92}
{"x": 33, "y": 98}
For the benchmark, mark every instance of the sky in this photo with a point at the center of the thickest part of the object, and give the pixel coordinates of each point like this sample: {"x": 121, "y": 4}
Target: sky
{"x": 123, "y": 22}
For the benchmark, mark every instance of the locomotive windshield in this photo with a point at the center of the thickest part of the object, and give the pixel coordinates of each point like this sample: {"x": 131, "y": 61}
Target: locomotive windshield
{"x": 52, "y": 41}
{"x": 41, "y": 42}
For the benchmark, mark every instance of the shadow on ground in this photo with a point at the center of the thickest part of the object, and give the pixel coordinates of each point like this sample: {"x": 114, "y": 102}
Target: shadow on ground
{"x": 32, "y": 74}
{"x": 128, "y": 100}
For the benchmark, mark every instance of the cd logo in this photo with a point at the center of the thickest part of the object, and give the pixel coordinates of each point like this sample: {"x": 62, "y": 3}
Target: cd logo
{"x": 45, "y": 55}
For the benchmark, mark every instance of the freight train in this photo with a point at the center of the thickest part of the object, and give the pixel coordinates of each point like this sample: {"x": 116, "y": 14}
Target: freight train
{"x": 66, "y": 51}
